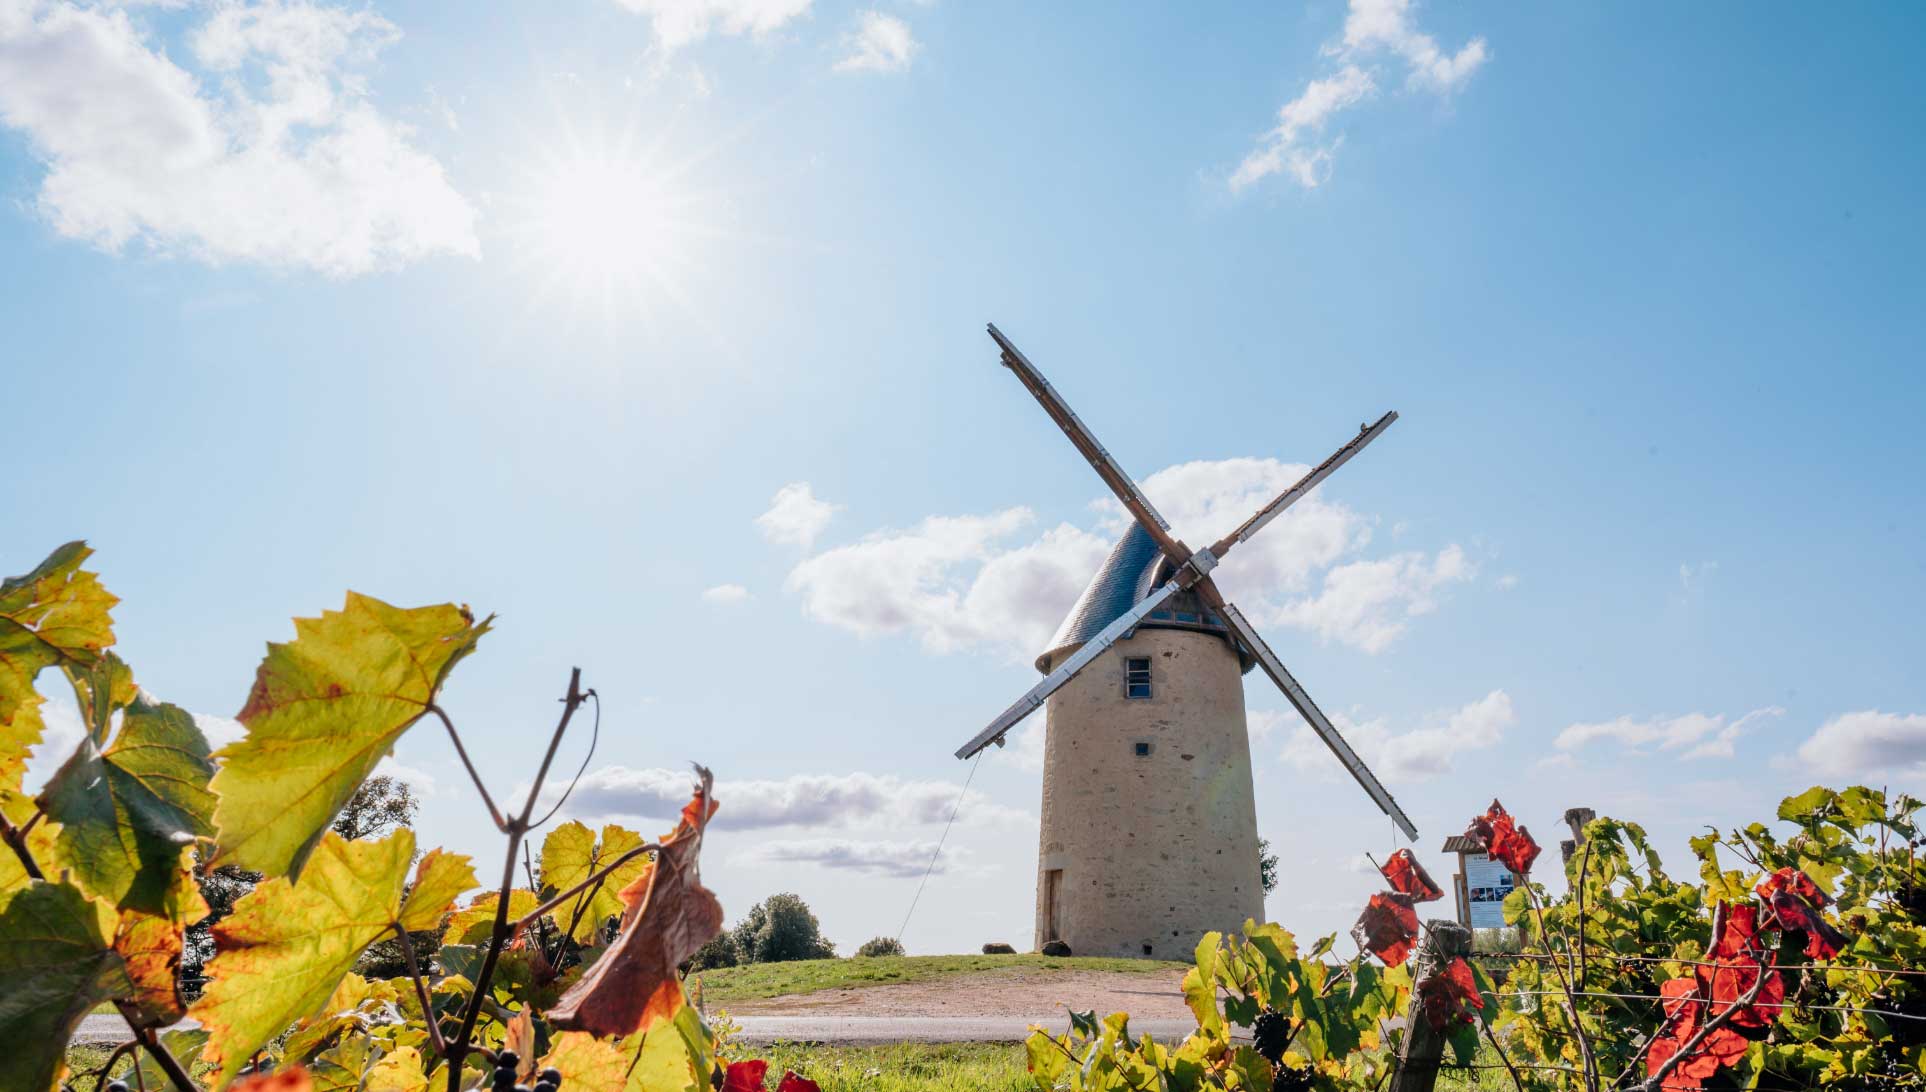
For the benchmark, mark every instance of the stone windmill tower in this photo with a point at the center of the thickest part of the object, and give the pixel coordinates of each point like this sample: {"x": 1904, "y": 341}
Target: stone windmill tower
{"x": 1149, "y": 834}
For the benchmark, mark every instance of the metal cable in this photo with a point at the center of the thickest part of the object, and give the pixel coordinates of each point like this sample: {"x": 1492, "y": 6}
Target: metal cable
{"x": 958, "y": 806}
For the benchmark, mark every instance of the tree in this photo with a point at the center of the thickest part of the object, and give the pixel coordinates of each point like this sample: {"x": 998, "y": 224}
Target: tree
{"x": 720, "y": 952}
{"x": 881, "y": 946}
{"x": 780, "y": 929}
{"x": 1266, "y": 866}
{"x": 381, "y": 804}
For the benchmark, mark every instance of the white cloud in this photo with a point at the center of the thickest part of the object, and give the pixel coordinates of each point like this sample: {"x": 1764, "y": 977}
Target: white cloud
{"x": 1386, "y": 24}
{"x": 1882, "y": 747}
{"x": 1367, "y": 604}
{"x": 796, "y": 516}
{"x": 726, "y": 594}
{"x": 1025, "y": 748}
{"x": 960, "y": 582}
{"x": 1416, "y": 755}
{"x": 283, "y": 161}
{"x": 1285, "y": 148}
{"x": 1506, "y": 582}
{"x": 880, "y": 43}
{"x": 906, "y": 860}
{"x": 801, "y": 800}
{"x": 1694, "y": 735}
{"x": 220, "y": 731}
{"x": 951, "y": 582}
{"x": 1294, "y": 145}
{"x": 677, "y": 23}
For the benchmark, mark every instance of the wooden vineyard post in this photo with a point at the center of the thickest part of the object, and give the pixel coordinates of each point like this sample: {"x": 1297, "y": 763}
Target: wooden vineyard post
{"x": 1424, "y": 1045}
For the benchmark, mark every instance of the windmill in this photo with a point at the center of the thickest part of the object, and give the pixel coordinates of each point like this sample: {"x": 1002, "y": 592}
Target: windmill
{"x": 1149, "y": 831}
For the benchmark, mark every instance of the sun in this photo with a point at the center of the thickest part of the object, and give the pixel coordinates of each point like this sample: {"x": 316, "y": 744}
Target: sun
{"x": 605, "y": 223}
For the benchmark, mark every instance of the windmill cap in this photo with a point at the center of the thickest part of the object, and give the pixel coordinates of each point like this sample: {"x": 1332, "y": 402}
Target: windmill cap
{"x": 1126, "y": 577}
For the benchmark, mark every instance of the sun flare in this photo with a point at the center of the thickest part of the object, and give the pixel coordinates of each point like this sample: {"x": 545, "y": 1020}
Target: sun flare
{"x": 604, "y": 223}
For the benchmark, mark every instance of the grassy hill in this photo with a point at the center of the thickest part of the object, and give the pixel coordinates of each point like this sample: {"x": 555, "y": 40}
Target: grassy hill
{"x": 721, "y": 986}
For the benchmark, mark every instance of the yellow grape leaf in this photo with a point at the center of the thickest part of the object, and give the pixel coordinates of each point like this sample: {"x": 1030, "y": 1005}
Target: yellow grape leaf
{"x": 325, "y": 708}
{"x": 18, "y": 810}
{"x": 57, "y": 960}
{"x": 570, "y": 855}
{"x": 441, "y": 878}
{"x": 288, "y": 944}
{"x": 588, "y": 1064}
{"x": 289, "y": 1079}
{"x": 399, "y": 1070}
{"x": 672, "y": 1057}
{"x": 56, "y": 614}
{"x": 128, "y": 813}
{"x": 150, "y": 947}
{"x": 475, "y": 923}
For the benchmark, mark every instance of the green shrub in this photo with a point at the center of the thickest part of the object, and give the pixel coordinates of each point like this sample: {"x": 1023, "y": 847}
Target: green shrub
{"x": 881, "y": 946}
{"x": 779, "y": 929}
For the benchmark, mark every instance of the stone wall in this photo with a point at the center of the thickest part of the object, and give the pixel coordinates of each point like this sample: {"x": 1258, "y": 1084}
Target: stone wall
{"x": 1153, "y": 850}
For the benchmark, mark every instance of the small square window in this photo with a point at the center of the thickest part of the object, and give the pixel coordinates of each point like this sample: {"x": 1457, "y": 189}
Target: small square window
{"x": 1137, "y": 677}
{"x": 1143, "y": 750}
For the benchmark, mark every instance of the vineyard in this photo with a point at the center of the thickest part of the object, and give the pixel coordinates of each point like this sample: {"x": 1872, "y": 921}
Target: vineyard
{"x": 1788, "y": 962}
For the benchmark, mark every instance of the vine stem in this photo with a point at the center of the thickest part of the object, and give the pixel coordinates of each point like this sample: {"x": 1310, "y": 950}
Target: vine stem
{"x": 516, "y": 829}
{"x": 454, "y": 737}
{"x": 151, "y": 1043}
{"x": 16, "y": 839}
{"x": 421, "y": 991}
{"x": 1502, "y": 1056}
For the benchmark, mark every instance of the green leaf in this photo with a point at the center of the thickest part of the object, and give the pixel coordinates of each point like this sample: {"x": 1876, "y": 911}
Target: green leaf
{"x": 1464, "y": 1042}
{"x": 1806, "y": 806}
{"x": 570, "y": 855}
{"x": 57, "y": 960}
{"x": 325, "y": 708}
{"x": 288, "y": 943}
{"x": 56, "y": 614}
{"x": 128, "y": 813}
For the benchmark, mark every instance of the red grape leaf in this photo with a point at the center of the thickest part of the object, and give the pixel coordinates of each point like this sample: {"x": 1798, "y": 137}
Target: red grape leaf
{"x": 1408, "y": 877}
{"x": 1682, "y": 1004}
{"x": 1676, "y": 1081}
{"x": 1735, "y": 931}
{"x": 792, "y": 1083}
{"x": 1503, "y": 839}
{"x": 1387, "y": 928}
{"x": 1796, "y": 902}
{"x": 670, "y": 916}
{"x": 1444, "y": 994}
{"x": 745, "y": 1076}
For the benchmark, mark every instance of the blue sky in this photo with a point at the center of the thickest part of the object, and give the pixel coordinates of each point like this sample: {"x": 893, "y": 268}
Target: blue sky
{"x": 581, "y": 312}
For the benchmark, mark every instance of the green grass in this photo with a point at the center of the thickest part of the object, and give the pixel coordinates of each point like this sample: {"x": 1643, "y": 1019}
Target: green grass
{"x": 905, "y": 1067}
{"x": 727, "y": 984}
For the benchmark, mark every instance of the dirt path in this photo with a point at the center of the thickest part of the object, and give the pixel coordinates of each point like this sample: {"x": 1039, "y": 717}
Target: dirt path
{"x": 1017, "y": 993}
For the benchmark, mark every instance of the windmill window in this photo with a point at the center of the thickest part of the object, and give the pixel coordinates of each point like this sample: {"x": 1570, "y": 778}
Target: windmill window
{"x": 1137, "y": 677}
{"x": 1186, "y": 616}
{"x": 1143, "y": 750}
